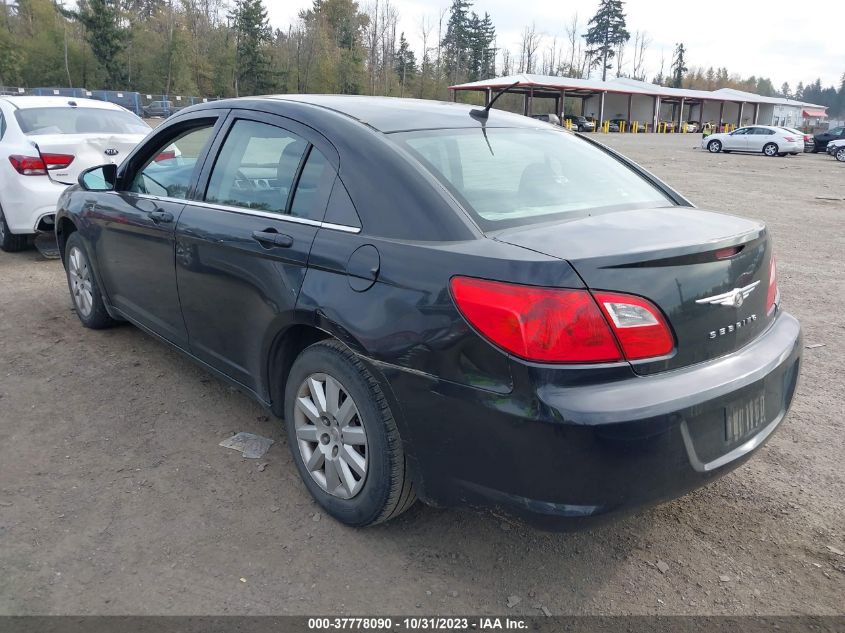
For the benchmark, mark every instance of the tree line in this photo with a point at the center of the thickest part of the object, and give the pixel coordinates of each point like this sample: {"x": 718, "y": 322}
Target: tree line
{"x": 228, "y": 48}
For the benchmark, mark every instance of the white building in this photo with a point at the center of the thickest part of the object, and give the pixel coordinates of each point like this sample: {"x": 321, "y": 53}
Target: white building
{"x": 633, "y": 100}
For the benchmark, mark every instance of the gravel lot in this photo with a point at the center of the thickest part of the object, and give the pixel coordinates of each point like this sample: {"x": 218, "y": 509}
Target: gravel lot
{"x": 115, "y": 497}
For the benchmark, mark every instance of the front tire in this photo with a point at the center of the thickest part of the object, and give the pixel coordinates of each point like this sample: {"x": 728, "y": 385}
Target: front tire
{"x": 714, "y": 147}
{"x": 10, "y": 242}
{"x": 839, "y": 154}
{"x": 770, "y": 149}
{"x": 343, "y": 437}
{"x": 84, "y": 291}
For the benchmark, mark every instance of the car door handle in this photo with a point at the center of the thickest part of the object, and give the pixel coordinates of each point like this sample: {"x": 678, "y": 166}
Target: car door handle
{"x": 160, "y": 215}
{"x": 272, "y": 238}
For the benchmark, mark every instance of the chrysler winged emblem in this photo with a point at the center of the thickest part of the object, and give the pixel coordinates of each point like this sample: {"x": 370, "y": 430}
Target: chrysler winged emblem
{"x": 734, "y": 298}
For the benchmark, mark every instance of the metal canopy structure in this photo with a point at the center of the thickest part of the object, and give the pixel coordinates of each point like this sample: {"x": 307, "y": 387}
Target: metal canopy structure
{"x": 640, "y": 95}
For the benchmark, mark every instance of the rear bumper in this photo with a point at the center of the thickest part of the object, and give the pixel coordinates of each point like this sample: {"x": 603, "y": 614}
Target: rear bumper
{"x": 563, "y": 457}
{"x": 30, "y": 201}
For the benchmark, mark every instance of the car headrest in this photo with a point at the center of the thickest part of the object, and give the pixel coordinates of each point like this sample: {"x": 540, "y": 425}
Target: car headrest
{"x": 289, "y": 161}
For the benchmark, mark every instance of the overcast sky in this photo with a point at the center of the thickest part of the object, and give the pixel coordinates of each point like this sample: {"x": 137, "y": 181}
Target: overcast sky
{"x": 784, "y": 41}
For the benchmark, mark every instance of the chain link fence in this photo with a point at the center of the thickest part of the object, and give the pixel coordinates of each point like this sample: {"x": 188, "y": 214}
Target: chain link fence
{"x": 146, "y": 105}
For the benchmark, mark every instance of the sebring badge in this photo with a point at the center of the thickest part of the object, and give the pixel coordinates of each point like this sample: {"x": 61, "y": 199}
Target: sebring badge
{"x": 111, "y": 152}
{"x": 735, "y": 297}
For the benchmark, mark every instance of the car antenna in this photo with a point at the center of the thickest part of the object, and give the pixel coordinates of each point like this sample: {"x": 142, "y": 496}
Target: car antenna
{"x": 483, "y": 114}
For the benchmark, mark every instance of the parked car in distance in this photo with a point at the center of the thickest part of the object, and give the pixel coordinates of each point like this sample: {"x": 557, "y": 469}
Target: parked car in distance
{"x": 548, "y": 118}
{"x": 45, "y": 143}
{"x": 770, "y": 140}
{"x": 693, "y": 127}
{"x": 160, "y": 109}
{"x": 821, "y": 140}
{"x": 546, "y": 328}
{"x": 612, "y": 126}
{"x": 580, "y": 123}
{"x": 837, "y": 149}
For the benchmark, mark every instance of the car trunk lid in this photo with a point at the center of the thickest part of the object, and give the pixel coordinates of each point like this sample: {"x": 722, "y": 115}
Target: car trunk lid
{"x": 88, "y": 150}
{"x": 679, "y": 258}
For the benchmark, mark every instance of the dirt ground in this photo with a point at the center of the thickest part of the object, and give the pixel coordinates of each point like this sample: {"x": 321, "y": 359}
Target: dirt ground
{"x": 115, "y": 497}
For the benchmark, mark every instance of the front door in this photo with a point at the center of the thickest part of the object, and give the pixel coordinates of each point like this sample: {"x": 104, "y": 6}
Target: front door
{"x": 736, "y": 140}
{"x": 242, "y": 248}
{"x": 136, "y": 228}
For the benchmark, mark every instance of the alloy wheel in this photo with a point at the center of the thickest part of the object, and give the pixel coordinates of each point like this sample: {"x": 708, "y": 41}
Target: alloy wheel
{"x": 81, "y": 286}
{"x": 331, "y": 437}
{"x": 840, "y": 155}
{"x": 770, "y": 150}
{"x": 2, "y": 227}
{"x": 714, "y": 146}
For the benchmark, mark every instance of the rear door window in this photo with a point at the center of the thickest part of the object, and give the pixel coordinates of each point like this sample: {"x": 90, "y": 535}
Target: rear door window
{"x": 268, "y": 168}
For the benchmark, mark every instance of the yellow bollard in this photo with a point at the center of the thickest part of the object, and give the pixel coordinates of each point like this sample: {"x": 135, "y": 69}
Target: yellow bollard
{"x": 635, "y": 127}
{"x": 607, "y": 127}
{"x": 621, "y": 127}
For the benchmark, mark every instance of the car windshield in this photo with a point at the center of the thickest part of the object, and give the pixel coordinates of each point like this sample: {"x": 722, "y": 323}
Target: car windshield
{"x": 517, "y": 176}
{"x": 74, "y": 120}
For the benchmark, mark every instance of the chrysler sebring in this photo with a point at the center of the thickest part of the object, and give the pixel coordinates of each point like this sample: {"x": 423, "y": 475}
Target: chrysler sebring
{"x": 443, "y": 302}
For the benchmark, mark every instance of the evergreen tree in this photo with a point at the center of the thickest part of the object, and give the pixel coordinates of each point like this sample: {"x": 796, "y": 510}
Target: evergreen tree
{"x": 784, "y": 90}
{"x": 456, "y": 41}
{"x": 679, "y": 67}
{"x": 252, "y": 34}
{"x": 606, "y": 33}
{"x": 799, "y": 91}
{"x": 106, "y": 37}
{"x": 406, "y": 63}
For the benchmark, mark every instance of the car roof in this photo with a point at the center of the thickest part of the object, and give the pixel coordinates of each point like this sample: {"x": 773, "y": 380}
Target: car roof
{"x": 393, "y": 114}
{"x": 26, "y": 101}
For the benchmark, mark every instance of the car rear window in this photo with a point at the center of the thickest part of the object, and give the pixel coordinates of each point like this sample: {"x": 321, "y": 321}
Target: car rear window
{"x": 516, "y": 176}
{"x": 70, "y": 120}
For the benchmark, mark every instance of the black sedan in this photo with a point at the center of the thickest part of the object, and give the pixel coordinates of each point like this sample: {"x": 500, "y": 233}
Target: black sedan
{"x": 444, "y": 303}
{"x": 821, "y": 140}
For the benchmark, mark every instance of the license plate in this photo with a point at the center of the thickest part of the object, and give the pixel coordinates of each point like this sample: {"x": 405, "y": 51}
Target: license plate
{"x": 744, "y": 418}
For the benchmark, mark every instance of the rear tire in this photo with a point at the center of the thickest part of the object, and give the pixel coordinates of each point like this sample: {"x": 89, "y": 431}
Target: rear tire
{"x": 349, "y": 454}
{"x": 84, "y": 291}
{"x": 770, "y": 149}
{"x": 714, "y": 147}
{"x": 10, "y": 242}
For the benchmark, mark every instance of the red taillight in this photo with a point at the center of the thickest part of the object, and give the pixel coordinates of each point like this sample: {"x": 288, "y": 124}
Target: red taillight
{"x": 562, "y": 325}
{"x": 168, "y": 154}
{"x": 35, "y": 166}
{"x": 638, "y": 325}
{"x": 772, "y": 295}
{"x": 807, "y": 137}
{"x": 727, "y": 253}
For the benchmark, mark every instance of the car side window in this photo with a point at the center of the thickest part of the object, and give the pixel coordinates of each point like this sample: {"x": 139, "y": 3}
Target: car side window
{"x": 313, "y": 188}
{"x": 169, "y": 170}
{"x": 741, "y": 131}
{"x": 761, "y": 131}
{"x": 256, "y": 167}
{"x": 2, "y": 125}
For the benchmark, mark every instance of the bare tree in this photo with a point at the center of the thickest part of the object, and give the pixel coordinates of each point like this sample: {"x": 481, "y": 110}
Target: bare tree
{"x": 574, "y": 37}
{"x": 507, "y": 62}
{"x": 641, "y": 44}
{"x": 425, "y": 59}
{"x": 531, "y": 41}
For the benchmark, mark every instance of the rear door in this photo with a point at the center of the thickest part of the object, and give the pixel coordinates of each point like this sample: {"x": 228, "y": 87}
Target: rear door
{"x": 242, "y": 246}
{"x": 758, "y": 137}
{"x": 133, "y": 227}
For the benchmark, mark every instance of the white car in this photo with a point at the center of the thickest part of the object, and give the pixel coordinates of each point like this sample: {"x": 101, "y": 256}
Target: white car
{"x": 45, "y": 142}
{"x": 772, "y": 141}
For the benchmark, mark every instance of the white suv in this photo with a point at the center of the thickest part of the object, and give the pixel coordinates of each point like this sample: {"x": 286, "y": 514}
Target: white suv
{"x": 45, "y": 142}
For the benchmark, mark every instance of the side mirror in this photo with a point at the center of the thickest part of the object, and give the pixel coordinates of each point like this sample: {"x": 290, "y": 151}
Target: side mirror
{"x": 101, "y": 178}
